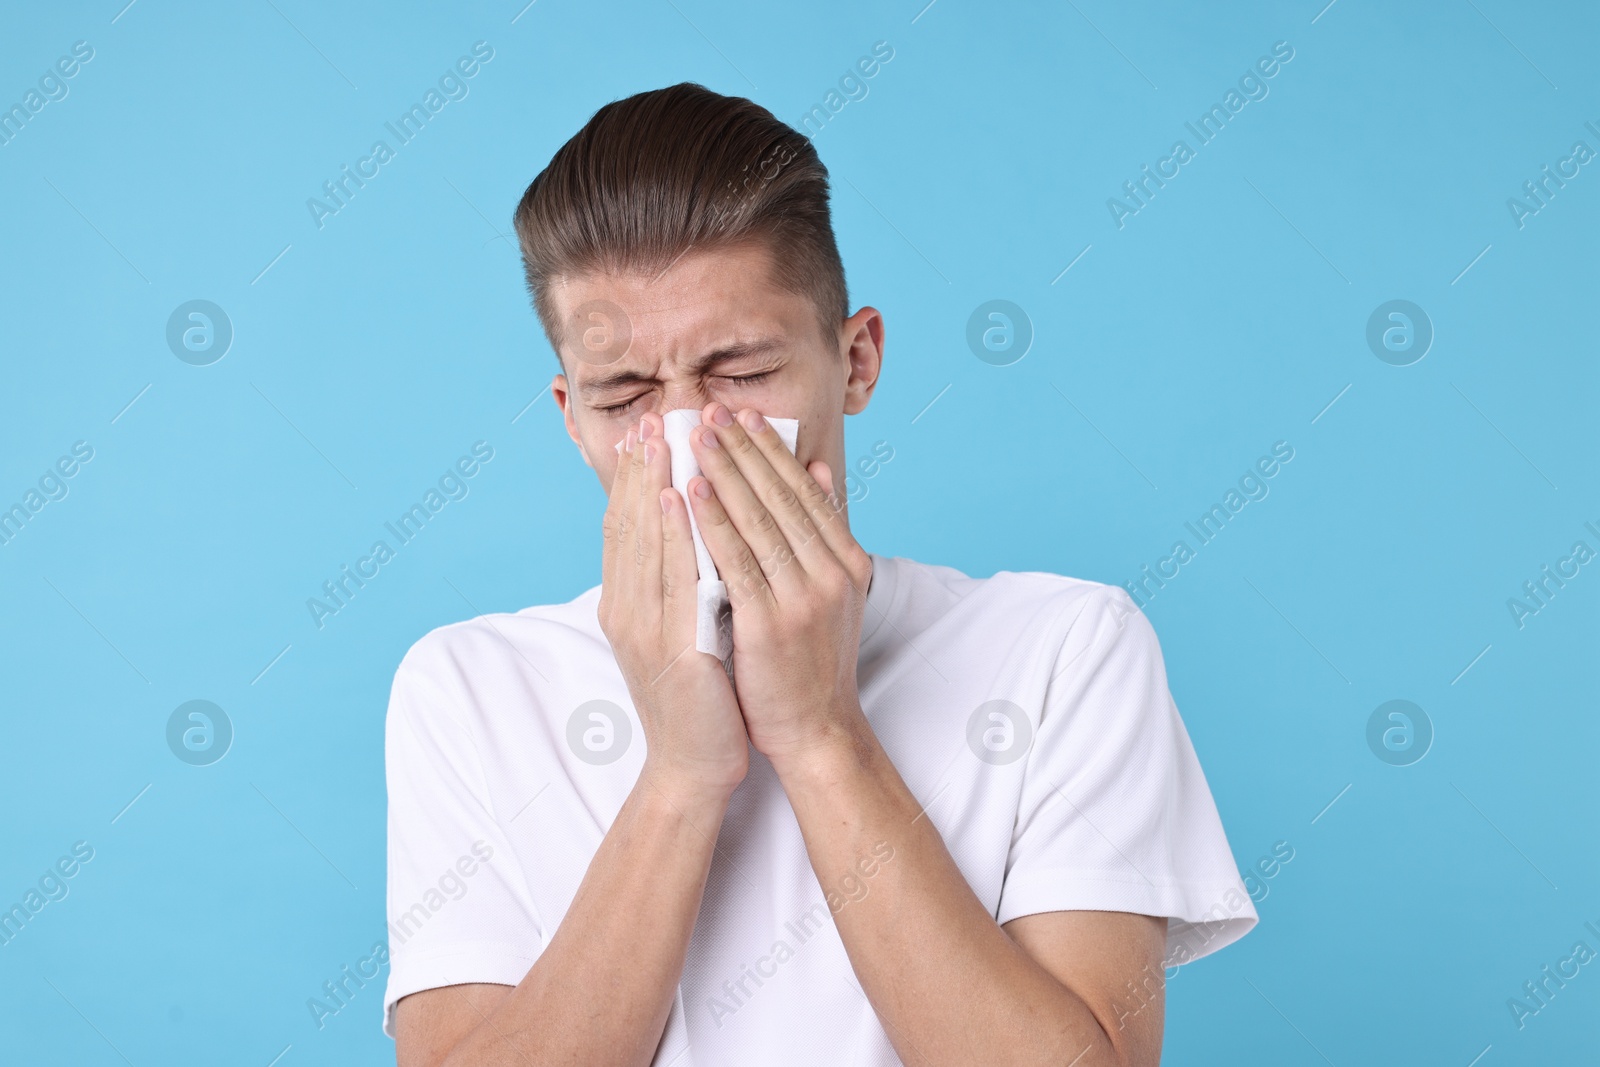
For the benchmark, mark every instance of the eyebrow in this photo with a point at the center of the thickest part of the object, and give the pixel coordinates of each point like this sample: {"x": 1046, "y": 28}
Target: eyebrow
{"x": 726, "y": 354}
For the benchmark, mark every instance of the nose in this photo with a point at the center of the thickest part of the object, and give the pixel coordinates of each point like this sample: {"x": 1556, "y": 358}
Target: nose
{"x": 683, "y": 395}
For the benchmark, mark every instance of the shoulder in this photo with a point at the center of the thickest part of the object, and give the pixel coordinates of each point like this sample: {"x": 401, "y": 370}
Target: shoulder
{"x": 459, "y": 657}
{"x": 1069, "y": 614}
{"x": 1077, "y": 608}
{"x": 1013, "y": 586}
{"x": 1059, "y": 589}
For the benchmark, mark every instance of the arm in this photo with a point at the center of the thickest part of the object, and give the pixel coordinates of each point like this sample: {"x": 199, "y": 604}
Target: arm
{"x": 621, "y": 945}
{"x": 601, "y": 990}
{"x": 1039, "y": 992}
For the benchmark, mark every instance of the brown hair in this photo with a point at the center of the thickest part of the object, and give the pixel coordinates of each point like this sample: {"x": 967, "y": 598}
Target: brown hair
{"x": 660, "y": 172}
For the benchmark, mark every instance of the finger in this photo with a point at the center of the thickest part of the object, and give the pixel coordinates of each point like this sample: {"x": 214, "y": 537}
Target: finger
{"x": 823, "y": 474}
{"x": 826, "y": 508}
{"x": 790, "y": 492}
{"x": 759, "y": 525}
{"x": 835, "y": 526}
{"x": 614, "y": 525}
{"x": 737, "y": 566}
{"x": 829, "y": 496}
{"x": 820, "y": 502}
{"x": 832, "y": 498}
{"x": 679, "y": 571}
{"x": 630, "y": 560}
{"x": 651, "y": 453}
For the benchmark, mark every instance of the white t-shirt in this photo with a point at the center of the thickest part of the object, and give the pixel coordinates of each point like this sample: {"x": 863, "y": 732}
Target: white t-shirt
{"x": 1028, "y": 711}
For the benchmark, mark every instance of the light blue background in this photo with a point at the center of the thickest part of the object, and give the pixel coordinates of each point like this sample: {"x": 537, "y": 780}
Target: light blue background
{"x": 1223, "y": 317}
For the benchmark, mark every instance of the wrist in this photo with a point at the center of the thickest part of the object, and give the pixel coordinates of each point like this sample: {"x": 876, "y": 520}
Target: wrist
{"x": 688, "y": 795}
{"x": 840, "y": 748}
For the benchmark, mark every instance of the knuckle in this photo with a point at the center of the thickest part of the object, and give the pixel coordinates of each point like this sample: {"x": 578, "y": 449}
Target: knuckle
{"x": 742, "y": 590}
{"x": 752, "y": 577}
{"x": 814, "y": 494}
{"x": 764, "y": 522}
{"x": 822, "y": 512}
{"x": 768, "y": 599}
{"x": 836, "y": 584}
{"x": 806, "y": 529}
{"x": 785, "y": 498}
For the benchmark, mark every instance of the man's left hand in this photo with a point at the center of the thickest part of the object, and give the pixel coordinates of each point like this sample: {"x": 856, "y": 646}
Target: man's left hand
{"x": 796, "y": 578}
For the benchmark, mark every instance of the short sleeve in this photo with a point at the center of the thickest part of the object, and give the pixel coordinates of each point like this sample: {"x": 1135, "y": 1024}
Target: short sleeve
{"x": 1115, "y": 813}
{"x": 459, "y": 910}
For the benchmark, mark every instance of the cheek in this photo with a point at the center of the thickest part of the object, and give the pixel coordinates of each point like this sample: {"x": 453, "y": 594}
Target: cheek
{"x": 607, "y": 463}
{"x": 775, "y": 398}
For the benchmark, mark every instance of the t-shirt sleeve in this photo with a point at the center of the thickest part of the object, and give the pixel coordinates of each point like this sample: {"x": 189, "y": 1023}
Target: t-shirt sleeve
{"x": 1115, "y": 813}
{"x": 459, "y": 910}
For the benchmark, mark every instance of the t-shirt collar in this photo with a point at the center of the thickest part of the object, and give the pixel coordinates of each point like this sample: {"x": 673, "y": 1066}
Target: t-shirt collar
{"x": 880, "y": 597}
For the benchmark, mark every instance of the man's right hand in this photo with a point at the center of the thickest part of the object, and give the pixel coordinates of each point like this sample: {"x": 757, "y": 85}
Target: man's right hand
{"x": 655, "y": 856}
{"x": 697, "y": 745}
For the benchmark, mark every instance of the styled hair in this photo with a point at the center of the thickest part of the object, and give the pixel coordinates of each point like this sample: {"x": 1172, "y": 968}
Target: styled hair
{"x": 651, "y": 176}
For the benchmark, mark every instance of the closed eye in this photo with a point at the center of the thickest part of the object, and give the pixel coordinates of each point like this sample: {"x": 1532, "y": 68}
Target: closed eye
{"x": 616, "y": 409}
{"x": 747, "y": 379}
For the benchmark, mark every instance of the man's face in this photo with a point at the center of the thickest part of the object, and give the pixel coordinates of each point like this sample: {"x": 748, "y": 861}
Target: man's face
{"x": 711, "y": 327}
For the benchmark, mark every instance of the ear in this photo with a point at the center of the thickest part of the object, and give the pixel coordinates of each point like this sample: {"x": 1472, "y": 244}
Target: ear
{"x": 563, "y": 397}
{"x": 861, "y": 346}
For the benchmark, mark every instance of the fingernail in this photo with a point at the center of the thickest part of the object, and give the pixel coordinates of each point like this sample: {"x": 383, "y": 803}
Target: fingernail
{"x": 753, "y": 421}
{"x": 721, "y": 416}
{"x": 666, "y": 504}
{"x": 702, "y": 489}
{"x": 709, "y": 439}
{"x": 644, "y": 429}
{"x": 649, "y": 453}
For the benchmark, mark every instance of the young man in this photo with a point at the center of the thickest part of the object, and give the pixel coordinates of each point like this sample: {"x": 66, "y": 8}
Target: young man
{"x": 923, "y": 818}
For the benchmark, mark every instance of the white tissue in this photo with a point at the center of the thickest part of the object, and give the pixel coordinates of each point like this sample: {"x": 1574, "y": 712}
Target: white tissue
{"x": 713, "y": 613}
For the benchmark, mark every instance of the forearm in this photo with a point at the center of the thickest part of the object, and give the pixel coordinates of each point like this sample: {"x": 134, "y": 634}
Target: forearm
{"x": 949, "y": 985}
{"x": 601, "y": 990}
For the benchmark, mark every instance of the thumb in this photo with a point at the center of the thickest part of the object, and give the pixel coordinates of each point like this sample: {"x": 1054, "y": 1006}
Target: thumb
{"x": 824, "y": 476}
